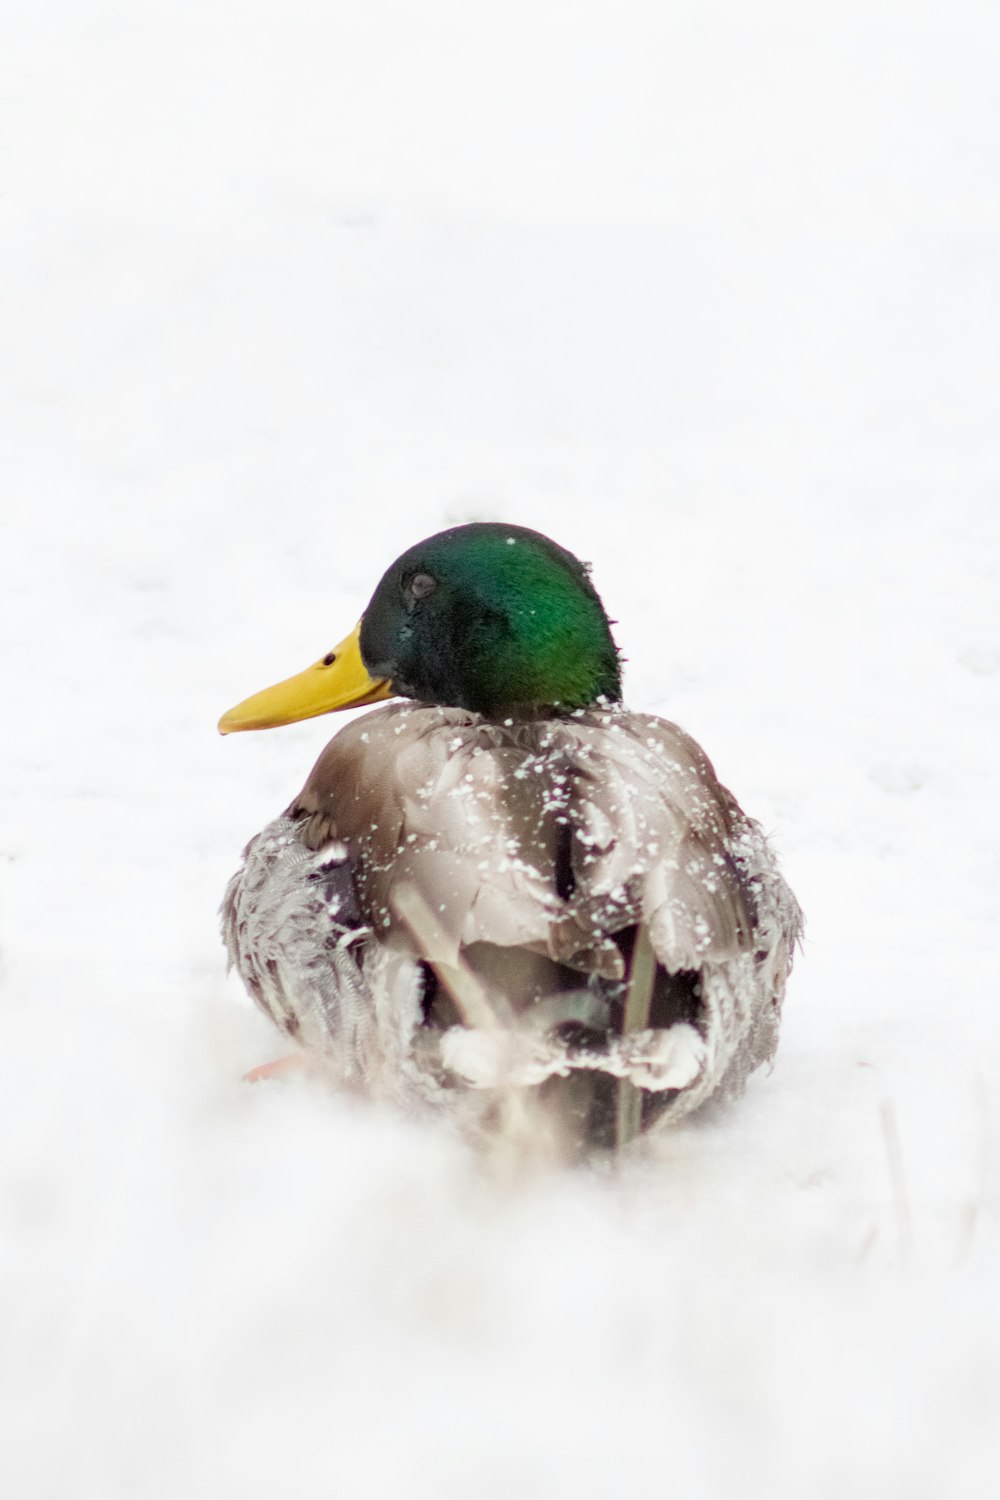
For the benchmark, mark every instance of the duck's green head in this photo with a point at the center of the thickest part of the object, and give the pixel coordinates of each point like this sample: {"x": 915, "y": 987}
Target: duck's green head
{"x": 493, "y": 618}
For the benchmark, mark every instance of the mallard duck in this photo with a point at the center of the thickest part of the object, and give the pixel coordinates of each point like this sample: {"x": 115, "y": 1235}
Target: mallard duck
{"x": 507, "y": 879}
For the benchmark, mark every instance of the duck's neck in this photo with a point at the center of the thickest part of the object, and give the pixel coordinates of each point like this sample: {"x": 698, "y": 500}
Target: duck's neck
{"x": 552, "y": 656}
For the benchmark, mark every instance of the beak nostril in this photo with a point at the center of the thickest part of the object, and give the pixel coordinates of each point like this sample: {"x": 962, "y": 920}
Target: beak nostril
{"x": 329, "y": 658}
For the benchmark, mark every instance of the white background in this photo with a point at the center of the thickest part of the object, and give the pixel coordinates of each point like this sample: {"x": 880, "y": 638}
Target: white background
{"x": 708, "y": 292}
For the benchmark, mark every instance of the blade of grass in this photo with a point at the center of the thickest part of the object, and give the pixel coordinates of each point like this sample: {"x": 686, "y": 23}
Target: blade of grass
{"x": 473, "y": 1004}
{"x": 523, "y": 1131}
{"x": 897, "y": 1177}
{"x": 628, "y": 1121}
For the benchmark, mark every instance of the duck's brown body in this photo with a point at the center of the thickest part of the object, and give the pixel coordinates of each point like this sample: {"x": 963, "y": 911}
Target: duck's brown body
{"x": 541, "y": 845}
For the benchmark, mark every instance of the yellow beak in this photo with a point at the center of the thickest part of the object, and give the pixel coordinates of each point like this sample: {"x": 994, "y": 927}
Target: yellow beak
{"x": 340, "y": 680}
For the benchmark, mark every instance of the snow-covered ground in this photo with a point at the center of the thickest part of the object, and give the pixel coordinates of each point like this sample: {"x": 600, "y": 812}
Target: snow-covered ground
{"x": 709, "y": 293}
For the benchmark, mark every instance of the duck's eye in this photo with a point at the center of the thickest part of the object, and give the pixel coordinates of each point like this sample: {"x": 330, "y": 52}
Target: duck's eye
{"x": 329, "y": 658}
{"x": 420, "y": 585}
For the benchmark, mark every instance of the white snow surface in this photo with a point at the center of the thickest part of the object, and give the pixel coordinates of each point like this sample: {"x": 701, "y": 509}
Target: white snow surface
{"x": 709, "y": 294}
